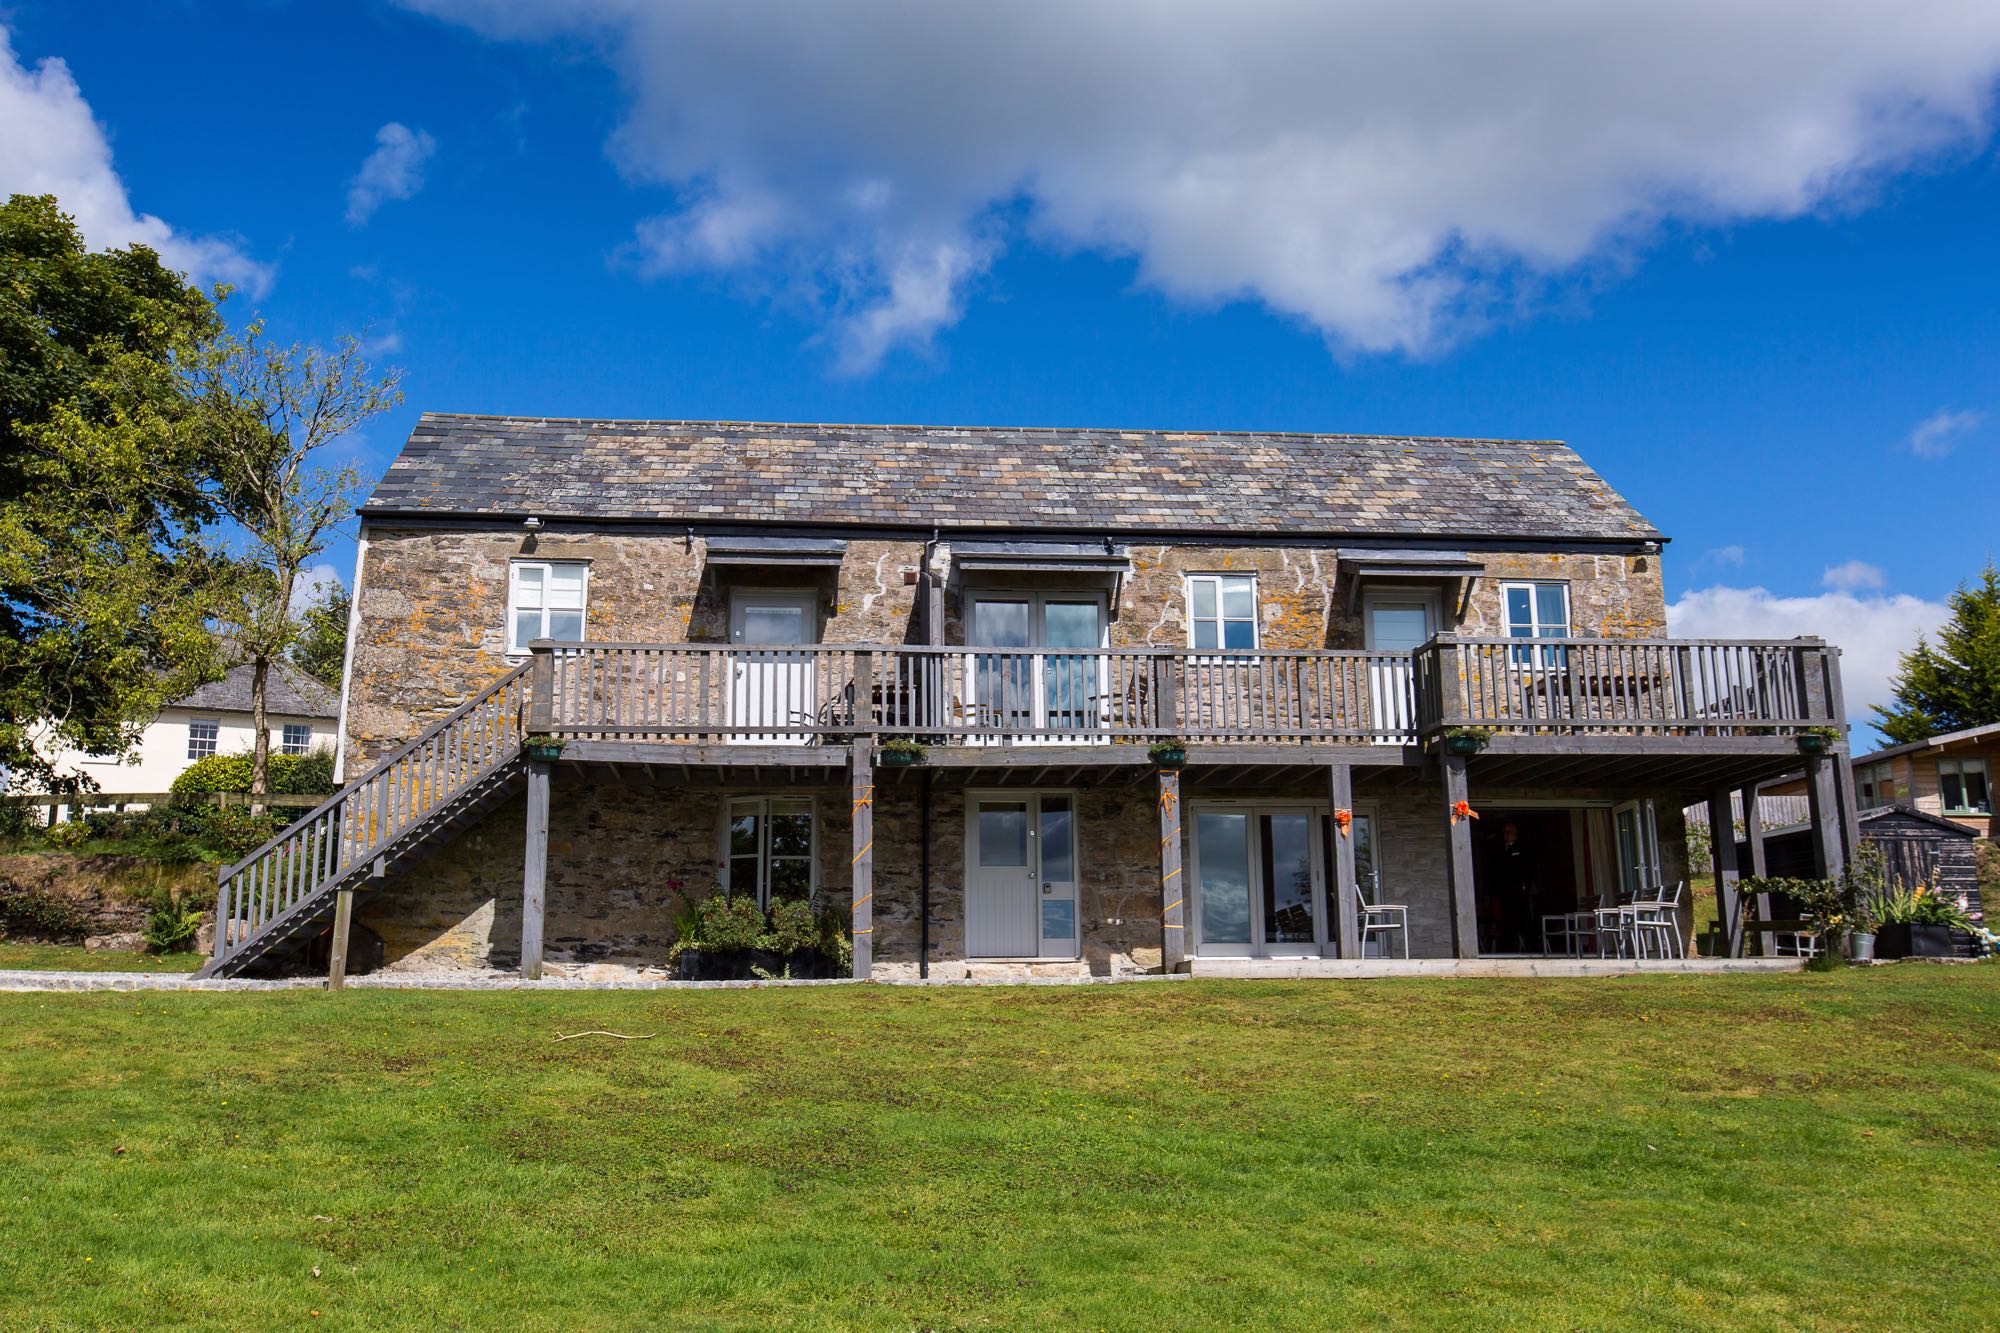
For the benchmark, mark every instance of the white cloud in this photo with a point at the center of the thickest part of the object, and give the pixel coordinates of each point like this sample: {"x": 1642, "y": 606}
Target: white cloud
{"x": 1871, "y": 631}
{"x": 1934, "y": 436}
{"x": 395, "y": 170}
{"x": 1852, "y": 576}
{"x": 1721, "y": 555}
{"x": 53, "y": 145}
{"x": 1393, "y": 174}
{"x": 312, "y": 585}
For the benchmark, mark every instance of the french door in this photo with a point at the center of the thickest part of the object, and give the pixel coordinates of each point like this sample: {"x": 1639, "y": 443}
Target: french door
{"x": 1260, "y": 882}
{"x": 1040, "y": 669}
{"x": 770, "y": 674}
{"x": 1020, "y": 876}
{"x": 1395, "y": 623}
{"x": 1636, "y": 837}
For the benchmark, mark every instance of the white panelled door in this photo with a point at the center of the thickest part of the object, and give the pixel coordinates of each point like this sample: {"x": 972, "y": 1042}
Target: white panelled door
{"x": 771, "y": 689}
{"x": 1395, "y": 623}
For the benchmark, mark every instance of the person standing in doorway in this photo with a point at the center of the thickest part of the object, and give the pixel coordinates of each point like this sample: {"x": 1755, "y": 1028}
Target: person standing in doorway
{"x": 1514, "y": 879}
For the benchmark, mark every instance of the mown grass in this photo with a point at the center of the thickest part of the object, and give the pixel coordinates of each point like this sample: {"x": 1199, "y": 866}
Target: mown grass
{"x": 76, "y": 958}
{"x": 1752, "y": 1152}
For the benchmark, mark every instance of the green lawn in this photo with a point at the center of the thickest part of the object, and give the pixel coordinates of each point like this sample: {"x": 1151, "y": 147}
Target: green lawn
{"x": 76, "y": 958}
{"x": 1757, "y": 1152}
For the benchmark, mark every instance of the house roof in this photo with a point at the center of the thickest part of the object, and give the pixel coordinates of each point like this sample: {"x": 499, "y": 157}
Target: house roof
{"x": 1875, "y": 812}
{"x": 289, "y": 692}
{"x": 1940, "y": 742}
{"x": 994, "y": 478}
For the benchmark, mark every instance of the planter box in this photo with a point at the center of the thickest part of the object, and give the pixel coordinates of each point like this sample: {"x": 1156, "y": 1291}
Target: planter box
{"x": 741, "y": 965}
{"x": 1173, "y": 757}
{"x": 1907, "y": 941}
{"x": 1463, "y": 746}
{"x": 1809, "y": 744}
{"x": 896, "y": 758}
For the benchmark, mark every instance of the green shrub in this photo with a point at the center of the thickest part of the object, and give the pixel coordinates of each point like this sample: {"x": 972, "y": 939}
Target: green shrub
{"x": 793, "y": 927}
{"x": 308, "y": 774}
{"x": 190, "y": 830}
{"x": 17, "y": 820}
{"x": 171, "y": 924}
{"x": 40, "y": 914}
{"x": 69, "y": 833}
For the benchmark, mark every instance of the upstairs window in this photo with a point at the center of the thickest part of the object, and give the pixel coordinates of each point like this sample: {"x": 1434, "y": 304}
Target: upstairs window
{"x": 1874, "y": 785}
{"x": 545, "y": 600}
{"x": 1963, "y": 785}
{"x": 1536, "y": 611}
{"x": 1222, "y": 611}
{"x": 296, "y": 739}
{"x": 203, "y": 732}
{"x": 768, "y": 849}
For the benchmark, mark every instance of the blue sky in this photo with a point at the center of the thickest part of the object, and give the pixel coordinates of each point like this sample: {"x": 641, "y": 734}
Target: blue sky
{"x": 1746, "y": 352}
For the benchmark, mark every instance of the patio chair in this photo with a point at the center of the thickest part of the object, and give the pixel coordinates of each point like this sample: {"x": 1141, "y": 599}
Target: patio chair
{"x": 1379, "y": 919}
{"x": 1657, "y": 920}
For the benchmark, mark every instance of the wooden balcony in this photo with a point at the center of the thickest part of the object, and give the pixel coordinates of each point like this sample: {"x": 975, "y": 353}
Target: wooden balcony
{"x": 1617, "y": 694}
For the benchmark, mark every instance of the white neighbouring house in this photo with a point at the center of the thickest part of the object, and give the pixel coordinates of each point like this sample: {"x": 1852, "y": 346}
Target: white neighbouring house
{"x": 302, "y": 714}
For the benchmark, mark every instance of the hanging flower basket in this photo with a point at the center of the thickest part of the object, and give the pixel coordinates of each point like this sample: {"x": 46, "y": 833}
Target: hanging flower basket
{"x": 543, "y": 749}
{"x": 1817, "y": 740}
{"x": 1168, "y": 754}
{"x": 900, "y": 752}
{"x": 1466, "y": 741}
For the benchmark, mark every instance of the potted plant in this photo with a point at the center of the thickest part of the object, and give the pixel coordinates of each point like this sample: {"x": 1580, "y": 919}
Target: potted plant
{"x": 1170, "y": 752}
{"x": 716, "y": 938}
{"x": 1918, "y": 923}
{"x": 1818, "y": 740}
{"x": 901, "y": 752}
{"x": 1861, "y": 931}
{"x": 543, "y": 748}
{"x": 1466, "y": 741}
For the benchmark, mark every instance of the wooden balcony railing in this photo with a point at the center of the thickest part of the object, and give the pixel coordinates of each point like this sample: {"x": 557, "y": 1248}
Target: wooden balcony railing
{"x": 982, "y": 696}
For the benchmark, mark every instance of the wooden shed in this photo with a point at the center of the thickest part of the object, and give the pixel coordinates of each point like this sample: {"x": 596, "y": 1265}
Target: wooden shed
{"x": 1919, "y": 848}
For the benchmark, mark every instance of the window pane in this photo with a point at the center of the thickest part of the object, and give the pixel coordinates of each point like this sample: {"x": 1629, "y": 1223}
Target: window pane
{"x": 998, "y": 624}
{"x": 566, "y": 586}
{"x": 743, "y": 834}
{"x": 1950, "y": 789}
{"x": 1520, "y": 610}
{"x": 1224, "y": 843}
{"x": 528, "y": 585}
{"x": 791, "y": 834}
{"x": 1204, "y": 634}
{"x": 784, "y": 625}
{"x": 1238, "y": 599}
{"x": 527, "y": 628}
{"x": 1552, "y": 609}
{"x": 566, "y": 626}
{"x": 1978, "y": 796}
{"x": 1003, "y": 835}
{"x": 1058, "y": 852}
{"x": 743, "y": 875}
{"x": 791, "y": 877}
{"x": 1288, "y": 897}
{"x": 1203, "y": 592}
{"x": 1363, "y": 833}
{"x": 1058, "y": 919}
{"x": 1239, "y": 634}
{"x": 1070, "y": 625}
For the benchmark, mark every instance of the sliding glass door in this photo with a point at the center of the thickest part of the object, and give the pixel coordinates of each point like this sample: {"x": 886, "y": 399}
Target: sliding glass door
{"x": 1042, "y": 667}
{"x": 1259, "y": 881}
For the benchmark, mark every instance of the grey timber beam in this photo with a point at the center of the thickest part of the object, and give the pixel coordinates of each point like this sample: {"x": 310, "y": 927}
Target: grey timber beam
{"x": 1823, "y": 801}
{"x": 1458, "y": 860}
{"x": 1722, "y": 843}
{"x": 1173, "y": 885}
{"x": 535, "y": 870}
{"x": 1347, "y": 894}
{"x": 343, "y": 924}
{"x": 1753, "y": 839}
{"x": 862, "y": 770}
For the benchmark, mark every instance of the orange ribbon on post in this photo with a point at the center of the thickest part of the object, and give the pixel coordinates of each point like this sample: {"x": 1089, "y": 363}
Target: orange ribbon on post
{"x": 1343, "y": 820}
{"x": 1463, "y": 810}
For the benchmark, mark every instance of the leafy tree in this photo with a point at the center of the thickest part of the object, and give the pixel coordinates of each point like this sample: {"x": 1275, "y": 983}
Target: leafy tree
{"x": 268, "y": 414}
{"x": 1956, "y": 684}
{"x": 104, "y": 580}
{"x": 321, "y": 647}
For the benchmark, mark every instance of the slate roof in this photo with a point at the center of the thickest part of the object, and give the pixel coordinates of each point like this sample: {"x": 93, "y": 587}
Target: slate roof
{"x": 919, "y": 477}
{"x": 289, "y": 692}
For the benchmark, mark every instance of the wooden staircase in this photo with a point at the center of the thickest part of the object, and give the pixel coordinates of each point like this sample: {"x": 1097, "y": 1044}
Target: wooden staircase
{"x": 270, "y": 903}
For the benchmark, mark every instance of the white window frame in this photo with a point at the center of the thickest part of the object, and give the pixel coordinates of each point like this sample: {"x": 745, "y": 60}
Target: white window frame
{"x": 1537, "y": 628}
{"x": 1961, "y": 767}
{"x": 1221, "y": 618}
{"x": 761, "y": 804}
{"x": 285, "y": 742}
{"x": 519, "y": 649}
{"x": 213, "y": 741}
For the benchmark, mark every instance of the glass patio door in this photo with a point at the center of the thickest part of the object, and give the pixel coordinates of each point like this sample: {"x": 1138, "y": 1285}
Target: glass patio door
{"x": 1259, "y": 883}
{"x": 1040, "y": 674}
{"x": 1395, "y": 623}
{"x": 770, "y": 674}
{"x": 1637, "y": 839}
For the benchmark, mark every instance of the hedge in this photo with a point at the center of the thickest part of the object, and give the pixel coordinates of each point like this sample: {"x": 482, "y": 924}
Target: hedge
{"x": 291, "y": 774}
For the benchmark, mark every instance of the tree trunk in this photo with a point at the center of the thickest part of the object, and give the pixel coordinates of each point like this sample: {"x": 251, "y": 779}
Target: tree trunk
{"x": 260, "y": 750}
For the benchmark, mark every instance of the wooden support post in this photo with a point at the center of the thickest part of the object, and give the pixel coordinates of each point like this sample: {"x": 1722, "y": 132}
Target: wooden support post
{"x": 1850, "y": 814}
{"x": 1722, "y": 843}
{"x": 863, "y": 770}
{"x": 1458, "y": 861}
{"x": 1753, "y": 838}
{"x": 1347, "y": 888}
{"x": 343, "y": 923}
{"x": 1173, "y": 885}
{"x": 535, "y": 870}
{"x": 1823, "y": 801}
